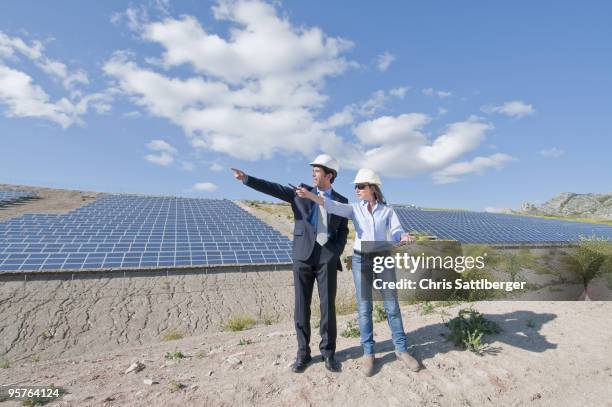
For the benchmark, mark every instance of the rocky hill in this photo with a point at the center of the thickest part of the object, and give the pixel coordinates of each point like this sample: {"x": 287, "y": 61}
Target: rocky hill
{"x": 569, "y": 204}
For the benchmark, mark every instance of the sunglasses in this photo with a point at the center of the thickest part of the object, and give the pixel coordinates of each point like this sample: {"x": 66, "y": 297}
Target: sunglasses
{"x": 361, "y": 186}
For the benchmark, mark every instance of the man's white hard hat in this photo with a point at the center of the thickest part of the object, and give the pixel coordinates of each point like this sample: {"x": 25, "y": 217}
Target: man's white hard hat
{"x": 326, "y": 160}
{"x": 367, "y": 176}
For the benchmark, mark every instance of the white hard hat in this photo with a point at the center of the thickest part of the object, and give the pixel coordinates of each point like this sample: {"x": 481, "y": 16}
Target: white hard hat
{"x": 326, "y": 160}
{"x": 367, "y": 176}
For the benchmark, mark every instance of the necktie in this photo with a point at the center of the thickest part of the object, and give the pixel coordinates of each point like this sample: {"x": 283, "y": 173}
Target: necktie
{"x": 321, "y": 223}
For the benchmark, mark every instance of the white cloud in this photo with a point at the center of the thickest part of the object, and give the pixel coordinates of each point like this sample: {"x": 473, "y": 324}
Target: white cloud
{"x": 163, "y": 158}
{"x": 259, "y": 92}
{"x": 132, "y": 114}
{"x": 216, "y": 167}
{"x": 492, "y": 209}
{"x": 384, "y": 60}
{"x": 454, "y": 172}
{"x": 515, "y": 108}
{"x": 187, "y": 166}
{"x": 390, "y": 129}
{"x": 372, "y": 105}
{"x": 204, "y": 186}
{"x": 24, "y": 98}
{"x": 161, "y": 145}
{"x": 164, "y": 153}
{"x": 399, "y": 92}
{"x": 552, "y": 152}
{"x": 438, "y": 93}
{"x": 249, "y": 99}
{"x": 398, "y": 146}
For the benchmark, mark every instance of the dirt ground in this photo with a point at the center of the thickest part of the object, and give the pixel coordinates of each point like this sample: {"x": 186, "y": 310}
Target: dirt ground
{"x": 549, "y": 354}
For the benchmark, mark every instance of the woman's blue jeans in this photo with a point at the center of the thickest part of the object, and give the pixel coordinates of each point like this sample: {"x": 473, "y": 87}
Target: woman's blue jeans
{"x": 364, "y": 307}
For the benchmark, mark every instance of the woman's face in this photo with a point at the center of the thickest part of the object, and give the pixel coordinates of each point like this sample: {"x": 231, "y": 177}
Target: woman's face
{"x": 365, "y": 193}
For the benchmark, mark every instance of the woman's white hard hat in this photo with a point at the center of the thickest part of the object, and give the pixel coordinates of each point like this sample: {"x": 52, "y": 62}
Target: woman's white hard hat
{"x": 367, "y": 176}
{"x": 326, "y": 160}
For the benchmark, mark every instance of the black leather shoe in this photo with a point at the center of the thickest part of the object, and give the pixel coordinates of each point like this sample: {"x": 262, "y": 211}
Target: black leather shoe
{"x": 331, "y": 364}
{"x": 300, "y": 364}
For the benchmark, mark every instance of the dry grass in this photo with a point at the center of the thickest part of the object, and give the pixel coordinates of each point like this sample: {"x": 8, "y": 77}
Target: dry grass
{"x": 239, "y": 323}
{"x": 172, "y": 335}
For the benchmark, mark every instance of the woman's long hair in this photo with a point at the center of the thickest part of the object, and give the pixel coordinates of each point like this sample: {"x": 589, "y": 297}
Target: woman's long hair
{"x": 378, "y": 195}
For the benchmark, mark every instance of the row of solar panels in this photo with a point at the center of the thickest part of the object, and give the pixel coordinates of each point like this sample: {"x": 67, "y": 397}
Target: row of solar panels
{"x": 492, "y": 228}
{"x": 127, "y": 231}
{"x": 9, "y": 196}
{"x": 123, "y": 231}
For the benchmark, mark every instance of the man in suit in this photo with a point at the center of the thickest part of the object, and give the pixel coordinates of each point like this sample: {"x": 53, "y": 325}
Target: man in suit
{"x": 318, "y": 240}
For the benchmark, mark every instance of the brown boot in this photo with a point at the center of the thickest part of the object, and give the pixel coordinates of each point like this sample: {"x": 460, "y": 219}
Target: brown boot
{"x": 368, "y": 365}
{"x": 408, "y": 361}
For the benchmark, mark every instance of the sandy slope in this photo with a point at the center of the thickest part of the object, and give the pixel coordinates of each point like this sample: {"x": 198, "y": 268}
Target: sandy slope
{"x": 564, "y": 359}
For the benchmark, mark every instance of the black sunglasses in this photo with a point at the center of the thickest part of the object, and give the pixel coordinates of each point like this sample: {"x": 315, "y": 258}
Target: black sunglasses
{"x": 361, "y": 186}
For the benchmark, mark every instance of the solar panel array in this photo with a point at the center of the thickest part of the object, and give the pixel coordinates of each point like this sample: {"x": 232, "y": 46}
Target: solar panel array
{"x": 128, "y": 231}
{"x": 8, "y": 196}
{"x": 497, "y": 228}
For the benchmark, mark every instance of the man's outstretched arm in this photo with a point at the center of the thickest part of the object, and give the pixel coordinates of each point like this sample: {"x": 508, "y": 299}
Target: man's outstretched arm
{"x": 269, "y": 188}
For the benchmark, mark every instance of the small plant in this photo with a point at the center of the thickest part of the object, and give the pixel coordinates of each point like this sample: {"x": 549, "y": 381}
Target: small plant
{"x": 175, "y": 386}
{"x": 35, "y": 358}
{"x": 200, "y": 355}
{"x": 530, "y": 323}
{"x": 269, "y": 319}
{"x": 175, "y": 355}
{"x": 4, "y": 364}
{"x": 244, "y": 342}
{"x": 427, "y": 307}
{"x": 40, "y": 401}
{"x": 239, "y": 323}
{"x": 172, "y": 335}
{"x": 47, "y": 334}
{"x": 379, "y": 313}
{"x": 468, "y": 328}
{"x": 345, "y": 306}
{"x": 351, "y": 331}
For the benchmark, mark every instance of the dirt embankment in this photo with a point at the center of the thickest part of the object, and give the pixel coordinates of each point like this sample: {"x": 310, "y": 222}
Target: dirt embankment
{"x": 61, "y": 317}
{"x": 49, "y": 200}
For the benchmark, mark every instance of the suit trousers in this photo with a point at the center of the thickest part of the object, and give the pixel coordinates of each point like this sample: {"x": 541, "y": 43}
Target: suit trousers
{"x": 304, "y": 275}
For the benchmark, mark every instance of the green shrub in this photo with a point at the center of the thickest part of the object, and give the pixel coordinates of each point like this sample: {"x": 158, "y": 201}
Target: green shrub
{"x": 379, "y": 313}
{"x": 351, "y": 331}
{"x": 468, "y": 328}
{"x": 175, "y": 355}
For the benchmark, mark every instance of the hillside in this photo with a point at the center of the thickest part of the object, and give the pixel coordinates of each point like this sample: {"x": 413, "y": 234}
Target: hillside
{"x": 569, "y": 204}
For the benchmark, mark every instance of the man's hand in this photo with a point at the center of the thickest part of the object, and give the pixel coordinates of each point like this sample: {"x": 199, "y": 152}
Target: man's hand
{"x": 239, "y": 175}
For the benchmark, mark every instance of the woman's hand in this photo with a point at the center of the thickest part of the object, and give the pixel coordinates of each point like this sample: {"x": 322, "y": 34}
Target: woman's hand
{"x": 406, "y": 238}
{"x": 304, "y": 193}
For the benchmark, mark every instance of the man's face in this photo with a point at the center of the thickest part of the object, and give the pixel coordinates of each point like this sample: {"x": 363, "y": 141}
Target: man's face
{"x": 319, "y": 179}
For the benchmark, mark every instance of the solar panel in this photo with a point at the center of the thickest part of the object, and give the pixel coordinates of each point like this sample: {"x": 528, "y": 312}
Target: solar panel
{"x": 129, "y": 231}
{"x": 497, "y": 228}
{"x": 9, "y": 196}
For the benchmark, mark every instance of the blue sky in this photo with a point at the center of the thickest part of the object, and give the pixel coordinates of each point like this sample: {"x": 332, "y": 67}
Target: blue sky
{"x": 458, "y": 104}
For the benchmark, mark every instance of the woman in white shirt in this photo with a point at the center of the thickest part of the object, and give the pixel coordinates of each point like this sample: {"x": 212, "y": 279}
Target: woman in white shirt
{"x": 374, "y": 221}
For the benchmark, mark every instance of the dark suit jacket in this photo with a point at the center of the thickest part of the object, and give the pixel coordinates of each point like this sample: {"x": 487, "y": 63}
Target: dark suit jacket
{"x": 304, "y": 234}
